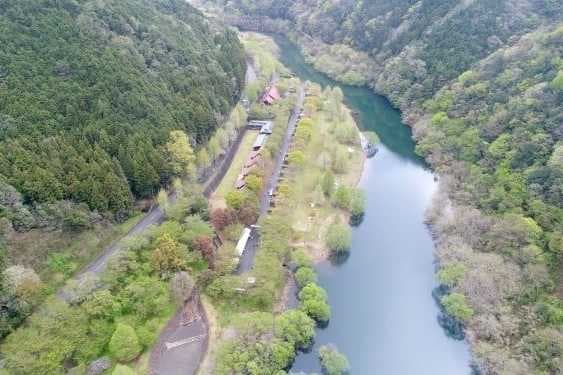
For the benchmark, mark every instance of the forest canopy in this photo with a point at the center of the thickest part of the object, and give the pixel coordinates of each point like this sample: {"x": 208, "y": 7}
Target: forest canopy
{"x": 91, "y": 90}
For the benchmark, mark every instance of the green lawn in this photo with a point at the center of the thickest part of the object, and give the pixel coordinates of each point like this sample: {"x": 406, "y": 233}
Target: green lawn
{"x": 228, "y": 182}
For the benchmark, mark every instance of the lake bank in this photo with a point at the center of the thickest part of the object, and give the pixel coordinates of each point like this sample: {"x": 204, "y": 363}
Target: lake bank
{"x": 393, "y": 316}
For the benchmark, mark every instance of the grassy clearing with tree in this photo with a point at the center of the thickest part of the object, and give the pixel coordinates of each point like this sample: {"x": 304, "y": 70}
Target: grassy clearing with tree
{"x": 325, "y": 156}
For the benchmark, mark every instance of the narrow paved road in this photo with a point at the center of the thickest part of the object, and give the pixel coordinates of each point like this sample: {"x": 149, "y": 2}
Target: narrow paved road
{"x": 247, "y": 258}
{"x": 97, "y": 266}
{"x": 153, "y": 217}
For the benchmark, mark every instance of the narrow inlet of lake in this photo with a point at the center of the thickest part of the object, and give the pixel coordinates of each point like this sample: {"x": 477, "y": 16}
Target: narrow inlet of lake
{"x": 384, "y": 318}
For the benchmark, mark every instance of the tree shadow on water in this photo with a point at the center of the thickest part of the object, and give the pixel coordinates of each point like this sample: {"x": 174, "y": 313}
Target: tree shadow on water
{"x": 452, "y": 327}
{"x": 339, "y": 258}
{"x": 356, "y": 220}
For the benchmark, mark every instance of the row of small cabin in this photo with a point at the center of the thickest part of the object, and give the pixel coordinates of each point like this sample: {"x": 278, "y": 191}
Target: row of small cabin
{"x": 255, "y": 156}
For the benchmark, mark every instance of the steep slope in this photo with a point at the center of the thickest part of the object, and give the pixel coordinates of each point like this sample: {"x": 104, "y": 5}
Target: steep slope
{"x": 89, "y": 91}
{"x": 414, "y": 47}
{"x": 496, "y": 137}
{"x": 481, "y": 82}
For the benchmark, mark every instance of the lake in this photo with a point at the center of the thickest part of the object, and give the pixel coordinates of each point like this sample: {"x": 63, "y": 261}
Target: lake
{"x": 384, "y": 318}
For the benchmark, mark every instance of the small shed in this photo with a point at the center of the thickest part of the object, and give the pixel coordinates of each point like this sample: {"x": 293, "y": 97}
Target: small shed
{"x": 241, "y": 244}
{"x": 260, "y": 141}
{"x": 266, "y": 128}
{"x": 240, "y": 183}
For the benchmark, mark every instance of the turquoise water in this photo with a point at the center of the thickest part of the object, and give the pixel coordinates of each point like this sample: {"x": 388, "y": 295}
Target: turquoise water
{"x": 383, "y": 315}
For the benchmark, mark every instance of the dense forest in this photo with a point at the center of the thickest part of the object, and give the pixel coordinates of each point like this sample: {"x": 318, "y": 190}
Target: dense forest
{"x": 98, "y": 99}
{"x": 481, "y": 83}
{"x": 414, "y": 47}
{"x": 90, "y": 91}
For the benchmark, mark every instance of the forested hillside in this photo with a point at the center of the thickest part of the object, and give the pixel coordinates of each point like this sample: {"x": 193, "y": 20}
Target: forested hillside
{"x": 495, "y": 135}
{"x": 481, "y": 82}
{"x": 414, "y": 47}
{"x": 90, "y": 90}
{"x": 98, "y": 100}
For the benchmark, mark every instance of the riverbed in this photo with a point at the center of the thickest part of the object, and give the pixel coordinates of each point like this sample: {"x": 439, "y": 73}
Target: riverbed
{"x": 383, "y": 315}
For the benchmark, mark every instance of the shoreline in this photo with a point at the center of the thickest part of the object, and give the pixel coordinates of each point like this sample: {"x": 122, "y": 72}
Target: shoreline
{"x": 326, "y": 141}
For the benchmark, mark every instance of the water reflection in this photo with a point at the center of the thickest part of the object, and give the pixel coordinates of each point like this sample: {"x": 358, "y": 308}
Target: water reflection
{"x": 384, "y": 317}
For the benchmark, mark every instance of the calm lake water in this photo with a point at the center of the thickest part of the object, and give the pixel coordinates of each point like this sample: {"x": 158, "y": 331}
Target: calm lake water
{"x": 383, "y": 315}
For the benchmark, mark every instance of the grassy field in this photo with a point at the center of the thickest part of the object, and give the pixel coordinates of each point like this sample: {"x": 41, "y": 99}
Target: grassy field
{"x": 57, "y": 255}
{"x": 333, "y": 136}
{"x": 217, "y": 199}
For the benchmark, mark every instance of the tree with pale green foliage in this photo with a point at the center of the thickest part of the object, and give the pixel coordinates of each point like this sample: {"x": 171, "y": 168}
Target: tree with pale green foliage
{"x": 168, "y": 256}
{"x": 338, "y": 238}
{"x": 124, "y": 345}
{"x": 332, "y": 361}
{"x": 313, "y": 301}
{"x": 451, "y": 274}
{"x": 357, "y": 203}
{"x": 342, "y": 197}
{"x": 162, "y": 200}
{"x": 180, "y": 153}
{"x": 456, "y": 305}
{"x": 235, "y": 199}
{"x": 304, "y": 276}
{"x": 203, "y": 159}
{"x": 557, "y": 83}
{"x": 254, "y": 183}
{"x": 296, "y": 327}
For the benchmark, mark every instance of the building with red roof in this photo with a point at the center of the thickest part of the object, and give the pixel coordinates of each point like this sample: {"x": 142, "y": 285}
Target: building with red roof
{"x": 271, "y": 95}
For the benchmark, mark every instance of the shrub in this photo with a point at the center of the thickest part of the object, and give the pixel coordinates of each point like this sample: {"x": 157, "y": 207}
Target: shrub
{"x": 235, "y": 199}
{"x": 545, "y": 348}
{"x": 338, "y": 238}
{"x": 254, "y": 183}
{"x": 332, "y": 361}
{"x": 357, "y": 203}
{"x": 124, "y": 345}
{"x": 233, "y": 231}
{"x": 304, "y": 276}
